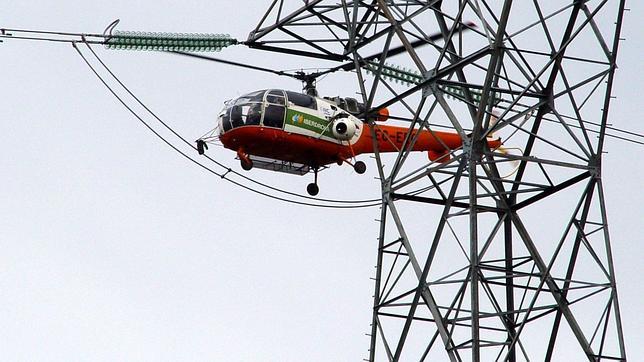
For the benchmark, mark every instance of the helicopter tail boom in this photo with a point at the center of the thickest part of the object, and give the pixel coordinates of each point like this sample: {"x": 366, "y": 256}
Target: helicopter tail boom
{"x": 392, "y": 139}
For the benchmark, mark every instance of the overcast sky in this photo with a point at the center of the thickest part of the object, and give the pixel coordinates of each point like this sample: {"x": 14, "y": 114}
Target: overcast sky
{"x": 114, "y": 247}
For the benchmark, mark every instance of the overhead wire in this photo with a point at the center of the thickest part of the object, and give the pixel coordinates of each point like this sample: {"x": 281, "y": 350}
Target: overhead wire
{"x": 208, "y": 157}
{"x": 621, "y": 138}
{"x": 372, "y": 202}
{"x": 228, "y": 170}
{"x": 551, "y": 120}
{"x": 364, "y": 204}
{"x": 8, "y": 34}
{"x": 547, "y": 119}
{"x": 588, "y": 122}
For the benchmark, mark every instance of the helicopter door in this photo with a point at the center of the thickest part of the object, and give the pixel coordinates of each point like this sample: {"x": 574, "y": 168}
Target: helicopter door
{"x": 274, "y": 110}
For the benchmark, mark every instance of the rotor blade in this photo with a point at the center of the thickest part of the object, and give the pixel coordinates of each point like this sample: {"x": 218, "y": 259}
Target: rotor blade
{"x": 397, "y": 50}
{"x": 248, "y": 66}
{"x": 349, "y": 66}
{"x": 416, "y": 43}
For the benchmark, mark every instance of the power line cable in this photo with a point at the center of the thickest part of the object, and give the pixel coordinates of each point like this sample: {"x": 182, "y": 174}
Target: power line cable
{"x": 223, "y": 176}
{"x": 376, "y": 202}
{"x": 208, "y": 157}
{"x": 82, "y": 37}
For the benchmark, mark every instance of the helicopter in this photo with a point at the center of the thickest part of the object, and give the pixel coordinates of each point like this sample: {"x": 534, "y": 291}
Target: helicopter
{"x": 292, "y": 132}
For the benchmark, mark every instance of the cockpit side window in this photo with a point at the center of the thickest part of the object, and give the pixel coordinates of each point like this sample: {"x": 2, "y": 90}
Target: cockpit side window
{"x": 352, "y": 105}
{"x": 274, "y": 116}
{"x": 254, "y": 115}
{"x": 236, "y": 116}
{"x": 276, "y": 97}
{"x": 302, "y": 100}
{"x": 225, "y": 120}
{"x": 245, "y": 114}
{"x": 274, "y": 111}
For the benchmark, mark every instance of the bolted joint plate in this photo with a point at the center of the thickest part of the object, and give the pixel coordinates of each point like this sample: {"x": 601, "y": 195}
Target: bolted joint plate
{"x": 430, "y": 88}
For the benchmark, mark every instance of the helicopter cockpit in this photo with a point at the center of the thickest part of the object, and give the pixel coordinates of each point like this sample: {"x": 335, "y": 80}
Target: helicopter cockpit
{"x": 261, "y": 108}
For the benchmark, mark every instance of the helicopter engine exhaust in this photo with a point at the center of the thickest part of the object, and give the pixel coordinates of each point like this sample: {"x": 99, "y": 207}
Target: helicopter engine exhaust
{"x": 343, "y": 129}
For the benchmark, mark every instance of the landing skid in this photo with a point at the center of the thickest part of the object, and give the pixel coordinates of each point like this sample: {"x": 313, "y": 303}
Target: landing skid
{"x": 271, "y": 164}
{"x": 249, "y": 162}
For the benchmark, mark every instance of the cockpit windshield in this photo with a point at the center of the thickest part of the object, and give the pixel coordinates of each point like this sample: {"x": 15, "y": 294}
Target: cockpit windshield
{"x": 251, "y": 97}
{"x": 253, "y": 109}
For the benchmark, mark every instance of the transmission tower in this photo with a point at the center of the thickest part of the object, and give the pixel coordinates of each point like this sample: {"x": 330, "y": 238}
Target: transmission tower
{"x": 484, "y": 254}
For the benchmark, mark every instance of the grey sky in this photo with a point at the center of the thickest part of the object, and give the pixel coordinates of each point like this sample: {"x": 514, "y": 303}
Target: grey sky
{"x": 116, "y": 248}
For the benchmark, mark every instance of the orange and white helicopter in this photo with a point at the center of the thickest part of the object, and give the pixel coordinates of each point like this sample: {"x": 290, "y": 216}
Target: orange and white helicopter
{"x": 295, "y": 133}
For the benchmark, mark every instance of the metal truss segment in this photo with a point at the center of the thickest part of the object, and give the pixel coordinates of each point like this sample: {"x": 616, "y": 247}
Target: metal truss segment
{"x": 495, "y": 254}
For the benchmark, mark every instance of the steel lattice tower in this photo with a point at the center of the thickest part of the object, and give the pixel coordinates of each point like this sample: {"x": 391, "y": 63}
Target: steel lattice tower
{"x": 483, "y": 254}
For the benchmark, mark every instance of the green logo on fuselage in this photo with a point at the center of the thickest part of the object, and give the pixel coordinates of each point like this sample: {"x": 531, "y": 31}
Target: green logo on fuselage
{"x": 309, "y": 122}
